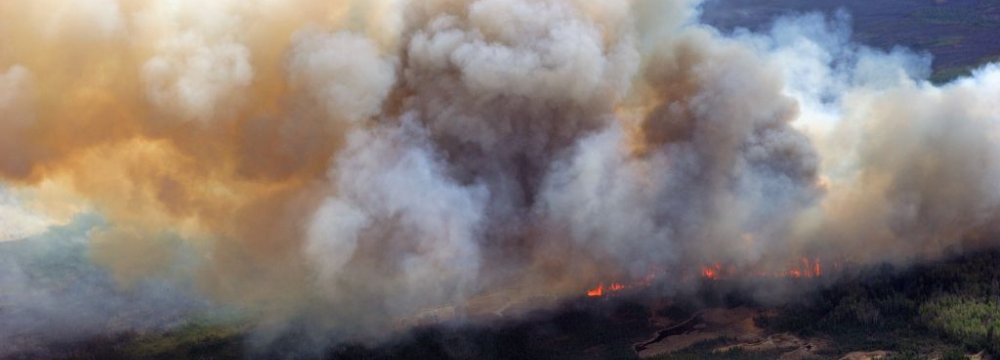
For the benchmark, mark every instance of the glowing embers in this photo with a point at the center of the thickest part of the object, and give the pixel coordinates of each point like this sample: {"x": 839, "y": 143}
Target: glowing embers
{"x": 804, "y": 267}
{"x": 711, "y": 272}
{"x": 615, "y": 287}
{"x": 601, "y": 290}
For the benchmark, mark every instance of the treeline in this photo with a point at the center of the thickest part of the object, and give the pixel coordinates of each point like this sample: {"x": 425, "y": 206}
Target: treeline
{"x": 950, "y": 304}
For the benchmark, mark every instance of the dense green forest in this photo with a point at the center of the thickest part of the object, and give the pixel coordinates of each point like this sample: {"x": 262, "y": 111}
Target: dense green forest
{"x": 951, "y": 303}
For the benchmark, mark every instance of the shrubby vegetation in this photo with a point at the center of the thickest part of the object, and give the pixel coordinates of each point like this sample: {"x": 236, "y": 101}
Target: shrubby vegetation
{"x": 970, "y": 321}
{"x": 951, "y": 305}
{"x": 947, "y": 308}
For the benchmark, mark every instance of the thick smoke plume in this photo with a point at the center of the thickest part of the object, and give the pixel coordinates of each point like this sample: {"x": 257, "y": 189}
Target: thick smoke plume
{"x": 357, "y": 163}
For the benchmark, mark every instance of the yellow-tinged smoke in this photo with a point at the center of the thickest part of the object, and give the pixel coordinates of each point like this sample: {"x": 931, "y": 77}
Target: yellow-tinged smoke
{"x": 362, "y": 161}
{"x": 178, "y": 117}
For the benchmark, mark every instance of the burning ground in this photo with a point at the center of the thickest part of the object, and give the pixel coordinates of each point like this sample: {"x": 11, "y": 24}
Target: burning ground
{"x": 345, "y": 170}
{"x": 940, "y": 309}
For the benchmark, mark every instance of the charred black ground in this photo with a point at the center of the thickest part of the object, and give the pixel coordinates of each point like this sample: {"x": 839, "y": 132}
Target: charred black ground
{"x": 942, "y": 308}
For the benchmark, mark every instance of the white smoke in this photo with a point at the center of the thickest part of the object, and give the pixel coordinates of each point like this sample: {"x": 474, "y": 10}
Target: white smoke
{"x": 398, "y": 234}
{"x": 98, "y": 19}
{"x": 17, "y": 221}
{"x": 381, "y": 159}
{"x": 342, "y": 71}
{"x": 199, "y": 64}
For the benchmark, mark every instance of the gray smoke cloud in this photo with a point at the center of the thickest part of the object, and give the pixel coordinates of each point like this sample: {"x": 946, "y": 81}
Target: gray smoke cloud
{"x": 53, "y": 295}
{"x": 398, "y": 236}
{"x": 368, "y": 165}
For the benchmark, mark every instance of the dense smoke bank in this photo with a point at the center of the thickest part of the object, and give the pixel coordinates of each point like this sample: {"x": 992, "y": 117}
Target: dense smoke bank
{"x": 356, "y": 163}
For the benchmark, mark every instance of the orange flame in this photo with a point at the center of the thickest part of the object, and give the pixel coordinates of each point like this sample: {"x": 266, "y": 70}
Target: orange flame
{"x": 803, "y": 268}
{"x": 595, "y": 292}
{"x": 711, "y": 272}
{"x": 601, "y": 290}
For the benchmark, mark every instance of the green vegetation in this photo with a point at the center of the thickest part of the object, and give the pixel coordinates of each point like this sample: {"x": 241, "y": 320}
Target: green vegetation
{"x": 212, "y": 337}
{"x": 194, "y": 340}
{"x": 977, "y": 16}
{"x": 940, "y": 307}
{"x": 970, "y": 321}
{"x": 946, "y": 309}
{"x": 945, "y": 75}
{"x": 959, "y": 34}
{"x": 944, "y": 41}
{"x": 943, "y": 309}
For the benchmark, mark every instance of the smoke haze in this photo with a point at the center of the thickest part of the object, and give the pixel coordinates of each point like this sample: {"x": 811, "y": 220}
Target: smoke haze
{"x": 356, "y": 163}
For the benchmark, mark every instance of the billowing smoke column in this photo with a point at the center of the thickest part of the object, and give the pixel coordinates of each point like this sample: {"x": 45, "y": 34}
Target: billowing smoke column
{"x": 362, "y": 161}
